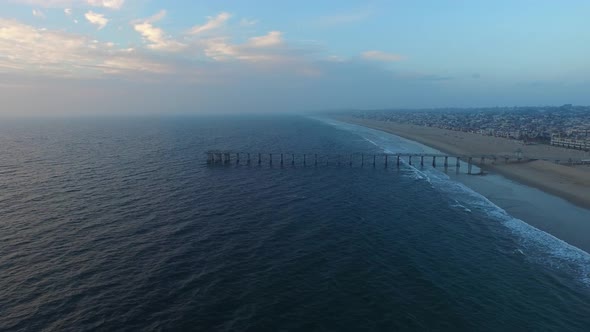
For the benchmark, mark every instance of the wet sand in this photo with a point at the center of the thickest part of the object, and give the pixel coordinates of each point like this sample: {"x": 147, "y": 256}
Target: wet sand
{"x": 570, "y": 183}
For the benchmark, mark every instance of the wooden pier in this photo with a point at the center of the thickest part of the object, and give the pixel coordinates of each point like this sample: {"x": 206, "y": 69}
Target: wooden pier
{"x": 216, "y": 157}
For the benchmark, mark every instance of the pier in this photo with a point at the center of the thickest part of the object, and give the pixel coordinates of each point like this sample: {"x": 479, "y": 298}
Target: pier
{"x": 386, "y": 160}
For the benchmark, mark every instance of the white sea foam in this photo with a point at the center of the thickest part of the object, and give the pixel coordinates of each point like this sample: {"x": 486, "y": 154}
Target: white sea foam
{"x": 368, "y": 140}
{"x": 540, "y": 246}
{"x": 549, "y": 249}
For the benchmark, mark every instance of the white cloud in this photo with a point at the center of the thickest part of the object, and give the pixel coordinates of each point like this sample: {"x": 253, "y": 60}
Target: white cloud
{"x": 382, "y": 56}
{"x": 212, "y": 23}
{"x": 97, "y": 19}
{"x": 44, "y": 3}
{"x": 219, "y": 49}
{"x": 345, "y": 18}
{"x": 273, "y": 38}
{"x": 68, "y": 11}
{"x": 29, "y": 49}
{"x": 26, "y": 49}
{"x": 156, "y": 38}
{"x": 156, "y": 17}
{"x": 38, "y": 13}
{"x": 247, "y": 23}
{"x": 336, "y": 58}
{"x": 119, "y": 65}
{"x": 110, "y": 4}
{"x": 269, "y": 48}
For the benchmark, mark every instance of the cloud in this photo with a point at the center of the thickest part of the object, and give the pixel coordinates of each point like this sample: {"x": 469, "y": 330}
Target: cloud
{"x": 212, "y": 23}
{"x": 247, "y": 22}
{"x": 155, "y": 37}
{"x": 38, "y": 13}
{"x": 97, "y": 19}
{"x": 119, "y": 65}
{"x": 267, "y": 48}
{"x": 26, "y": 49}
{"x": 263, "y": 73}
{"x": 219, "y": 49}
{"x": 382, "y": 56}
{"x": 154, "y": 18}
{"x": 344, "y": 18}
{"x": 336, "y": 58}
{"x": 273, "y": 38}
{"x": 68, "y": 11}
{"x": 110, "y": 4}
{"x": 43, "y": 3}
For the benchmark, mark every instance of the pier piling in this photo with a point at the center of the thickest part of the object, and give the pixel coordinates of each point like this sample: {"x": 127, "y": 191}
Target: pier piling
{"x": 217, "y": 157}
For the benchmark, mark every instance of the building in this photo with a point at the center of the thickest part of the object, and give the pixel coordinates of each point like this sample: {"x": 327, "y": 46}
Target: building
{"x": 570, "y": 143}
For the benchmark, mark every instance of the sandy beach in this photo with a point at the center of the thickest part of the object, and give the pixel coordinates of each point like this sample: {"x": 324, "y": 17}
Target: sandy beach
{"x": 570, "y": 183}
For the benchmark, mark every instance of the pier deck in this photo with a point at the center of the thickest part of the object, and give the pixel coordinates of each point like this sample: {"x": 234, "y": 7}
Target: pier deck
{"x": 219, "y": 157}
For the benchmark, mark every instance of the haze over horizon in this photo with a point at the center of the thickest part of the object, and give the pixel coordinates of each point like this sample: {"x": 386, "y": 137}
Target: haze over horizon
{"x": 144, "y": 57}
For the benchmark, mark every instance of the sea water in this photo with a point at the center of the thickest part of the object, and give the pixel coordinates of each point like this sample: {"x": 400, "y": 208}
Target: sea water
{"x": 120, "y": 224}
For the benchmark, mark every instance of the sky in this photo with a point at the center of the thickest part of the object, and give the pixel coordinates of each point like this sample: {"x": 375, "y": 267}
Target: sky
{"x": 177, "y": 57}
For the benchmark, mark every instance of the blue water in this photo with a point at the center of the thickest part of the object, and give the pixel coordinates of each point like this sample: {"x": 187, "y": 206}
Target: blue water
{"x": 119, "y": 224}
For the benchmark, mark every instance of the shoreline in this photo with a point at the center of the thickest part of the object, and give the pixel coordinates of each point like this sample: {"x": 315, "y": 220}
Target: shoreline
{"x": 568, "y": 183}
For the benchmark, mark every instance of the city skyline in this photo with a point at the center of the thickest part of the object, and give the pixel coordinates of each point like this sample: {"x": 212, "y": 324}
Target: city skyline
{"x": 146, "y": 57}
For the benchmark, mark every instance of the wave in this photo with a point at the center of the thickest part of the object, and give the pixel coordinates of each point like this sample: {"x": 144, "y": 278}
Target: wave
{"x": 539, "y": 246}
{"x": 535, "y": 244}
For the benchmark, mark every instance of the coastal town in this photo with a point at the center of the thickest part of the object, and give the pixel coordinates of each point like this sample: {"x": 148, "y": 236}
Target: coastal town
{"x": 566, "y": 126}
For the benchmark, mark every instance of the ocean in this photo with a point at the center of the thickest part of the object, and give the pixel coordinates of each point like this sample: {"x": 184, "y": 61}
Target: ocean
{"x": 119, "y": 224}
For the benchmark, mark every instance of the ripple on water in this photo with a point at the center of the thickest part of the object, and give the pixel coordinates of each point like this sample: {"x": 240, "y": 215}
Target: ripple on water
{"x": 127, "y": 229}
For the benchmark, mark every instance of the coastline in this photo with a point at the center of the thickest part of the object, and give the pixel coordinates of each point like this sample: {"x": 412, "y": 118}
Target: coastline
{"x": 569, "y": 183}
